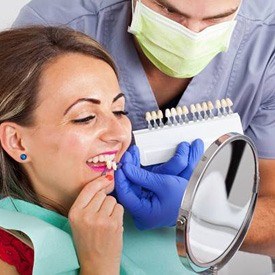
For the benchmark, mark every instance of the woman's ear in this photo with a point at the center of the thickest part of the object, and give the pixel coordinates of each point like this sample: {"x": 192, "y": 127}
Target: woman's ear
{"x": 11, "y": 141}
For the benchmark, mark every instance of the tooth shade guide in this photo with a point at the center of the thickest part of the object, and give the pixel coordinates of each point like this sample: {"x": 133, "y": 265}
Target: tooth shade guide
{"x": 205, "y": 109}
{"x": 210, "y": 108}
{"x": 210, "y": 105}
{"x": 160, "y": 114}
{"x": 179, "y": 115}
{"x": 168, "y": 115}
{"x": 154, "y": 118}
{"x": 148, "y": 118}
{"x": 193, "y": 110}
{"x": 174, "y": 114}
{"x": 154, "y": 115}
{"x": 185, "y": 110}
{"x": 229, "y": 104}
{"x": 199, "y": 110}
{"x": 204, "y": 106}
{"x": 160, "y": 117}
{"x": 218, "y": 104}
{"x": 224, "y": 105}
{"x": 179, "y": 111}
{"x": 158, "y": 146}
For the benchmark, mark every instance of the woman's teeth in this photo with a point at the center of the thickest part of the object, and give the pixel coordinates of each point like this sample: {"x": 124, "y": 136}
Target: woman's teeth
{"x": 108, "y": 159}
{"x": 102, "y": 158}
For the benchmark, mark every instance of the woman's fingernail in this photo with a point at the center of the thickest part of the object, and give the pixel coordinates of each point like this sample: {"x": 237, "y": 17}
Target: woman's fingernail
{"x": 109, "y": 177}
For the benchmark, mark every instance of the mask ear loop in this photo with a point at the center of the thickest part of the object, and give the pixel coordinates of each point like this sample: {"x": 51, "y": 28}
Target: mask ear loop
{"x": 136, "y": 8}
{"x": 135, "y": 18}
{"x": 133, "y": 7}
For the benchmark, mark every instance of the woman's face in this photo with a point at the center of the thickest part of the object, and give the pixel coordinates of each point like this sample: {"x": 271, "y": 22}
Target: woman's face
{"x": 79, "y": 124}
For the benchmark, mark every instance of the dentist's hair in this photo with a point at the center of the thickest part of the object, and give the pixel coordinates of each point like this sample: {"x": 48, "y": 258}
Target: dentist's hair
{"x": 24, "y": 53}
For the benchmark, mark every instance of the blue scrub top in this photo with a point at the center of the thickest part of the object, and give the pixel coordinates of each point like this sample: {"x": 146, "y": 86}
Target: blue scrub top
{"x": 245, "y": 73}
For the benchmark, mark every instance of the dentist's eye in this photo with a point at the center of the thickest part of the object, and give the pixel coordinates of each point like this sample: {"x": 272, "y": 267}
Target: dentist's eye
{"x": 120, "y": 113}
{"x": 165, "y": 9}
{"x": 83, "y": 120}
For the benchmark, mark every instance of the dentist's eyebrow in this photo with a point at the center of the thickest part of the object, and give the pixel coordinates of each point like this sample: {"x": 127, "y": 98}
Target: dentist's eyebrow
{"x": 174, "y": 9}
{"x": 222, "y": 15}
{"x": 118, "y": 96}
{"x": 170, "y": 7}
{"x": 91, "y": 100}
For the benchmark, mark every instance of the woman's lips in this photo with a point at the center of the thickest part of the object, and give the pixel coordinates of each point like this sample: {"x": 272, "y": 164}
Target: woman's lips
{"x": 99, "y": 167}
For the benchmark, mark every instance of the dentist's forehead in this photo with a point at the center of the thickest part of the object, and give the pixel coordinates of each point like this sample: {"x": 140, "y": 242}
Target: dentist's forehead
{"x": 203, "y": 7}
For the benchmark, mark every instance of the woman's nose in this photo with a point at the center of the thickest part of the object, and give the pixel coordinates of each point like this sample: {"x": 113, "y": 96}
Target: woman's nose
{"x": 115, "y": 130}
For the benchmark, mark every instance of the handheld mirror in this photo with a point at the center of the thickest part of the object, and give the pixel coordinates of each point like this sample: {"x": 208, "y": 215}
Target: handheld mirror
{"x": 218, "y": 204}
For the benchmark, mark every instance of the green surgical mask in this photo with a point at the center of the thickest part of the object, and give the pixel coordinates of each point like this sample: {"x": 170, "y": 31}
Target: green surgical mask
{"x": 174, "y": 49}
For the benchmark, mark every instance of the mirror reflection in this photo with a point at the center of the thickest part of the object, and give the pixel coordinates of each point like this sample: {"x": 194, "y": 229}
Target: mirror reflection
{"x": 221, "y": 201}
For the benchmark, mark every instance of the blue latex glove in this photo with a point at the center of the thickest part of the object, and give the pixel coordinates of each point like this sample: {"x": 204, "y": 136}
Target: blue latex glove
{"x": 195, "y": 153}
{"x": 182, "y": 163}
{"x": 152, "y": 199}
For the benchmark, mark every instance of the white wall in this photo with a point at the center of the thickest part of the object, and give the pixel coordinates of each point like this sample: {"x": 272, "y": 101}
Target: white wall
{"x": 9, "y": 10}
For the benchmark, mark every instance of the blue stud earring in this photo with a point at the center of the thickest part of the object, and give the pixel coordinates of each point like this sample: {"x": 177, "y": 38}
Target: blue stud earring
{"x": 23, "y": 156}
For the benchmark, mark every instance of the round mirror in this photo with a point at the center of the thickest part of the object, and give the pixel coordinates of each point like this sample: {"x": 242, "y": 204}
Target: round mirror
{"x": 218, "y": 204}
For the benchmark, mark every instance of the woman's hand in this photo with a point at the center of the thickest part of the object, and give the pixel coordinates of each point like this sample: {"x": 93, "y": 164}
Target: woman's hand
{"x": 97, "y": 224}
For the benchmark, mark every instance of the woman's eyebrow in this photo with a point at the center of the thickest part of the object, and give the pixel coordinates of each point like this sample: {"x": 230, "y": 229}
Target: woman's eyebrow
{"x": 118, "y": 96}
{"x": 92, "y": 100}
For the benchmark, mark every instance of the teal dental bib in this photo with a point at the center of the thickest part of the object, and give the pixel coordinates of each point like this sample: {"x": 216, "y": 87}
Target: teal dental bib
{"x": 50, "y": 233}
{"x": 144, "y": 252}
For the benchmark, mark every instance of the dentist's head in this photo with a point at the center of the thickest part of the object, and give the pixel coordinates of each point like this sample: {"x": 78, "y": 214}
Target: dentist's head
{"x": 180, "y": 38}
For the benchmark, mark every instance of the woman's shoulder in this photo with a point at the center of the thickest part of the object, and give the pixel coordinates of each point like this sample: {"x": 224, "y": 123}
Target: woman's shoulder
{"x": 16, "y": 253}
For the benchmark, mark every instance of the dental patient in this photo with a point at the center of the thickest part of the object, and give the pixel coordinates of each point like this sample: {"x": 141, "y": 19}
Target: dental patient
{"x": 63, "y": 132}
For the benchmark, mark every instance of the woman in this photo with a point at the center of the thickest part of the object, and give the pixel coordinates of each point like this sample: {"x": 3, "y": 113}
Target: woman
{"x": 63, "y": 129}
{"x": 62, "y": 111}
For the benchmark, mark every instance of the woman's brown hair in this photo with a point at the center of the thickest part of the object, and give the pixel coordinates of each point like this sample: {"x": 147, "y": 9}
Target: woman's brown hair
{"x": 24, "y": 53}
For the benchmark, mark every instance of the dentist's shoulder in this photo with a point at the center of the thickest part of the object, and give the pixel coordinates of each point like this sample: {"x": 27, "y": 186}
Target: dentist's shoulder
{"x": 71, "y": 13}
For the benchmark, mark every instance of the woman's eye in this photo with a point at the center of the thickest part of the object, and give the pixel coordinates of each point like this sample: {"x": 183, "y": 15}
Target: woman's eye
{"x": 120, "y": 113}
{"x": 84, "y": 119}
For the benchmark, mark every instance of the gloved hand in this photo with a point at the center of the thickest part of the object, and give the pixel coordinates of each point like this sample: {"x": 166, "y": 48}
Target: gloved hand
{"x": 195, "y": 153}
{"x": 152, "y": 199}
{"x": 176, "y": 164}
{"x": 182, "y": 163}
